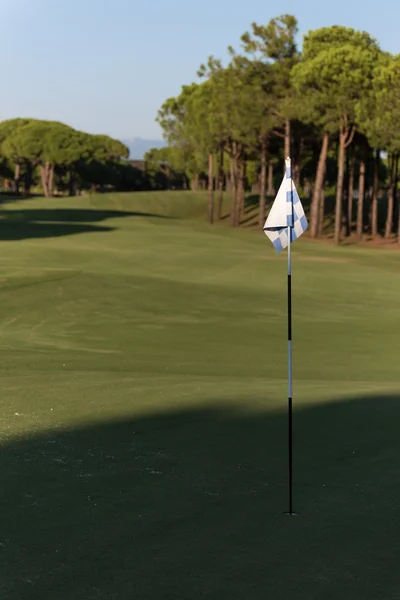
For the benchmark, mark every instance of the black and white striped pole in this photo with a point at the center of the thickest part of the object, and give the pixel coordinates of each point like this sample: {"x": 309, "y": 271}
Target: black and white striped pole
{"x": 285, "y": 223}
{"x": 290, "y": 373}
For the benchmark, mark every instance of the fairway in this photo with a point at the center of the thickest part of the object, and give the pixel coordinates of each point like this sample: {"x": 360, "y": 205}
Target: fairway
{"x": 143, "y": 408}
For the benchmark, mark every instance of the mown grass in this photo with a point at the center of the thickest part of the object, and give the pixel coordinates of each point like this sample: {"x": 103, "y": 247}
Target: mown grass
{"x": 143, "y": 411}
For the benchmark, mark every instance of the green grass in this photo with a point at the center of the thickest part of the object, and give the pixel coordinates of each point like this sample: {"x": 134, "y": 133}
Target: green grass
{"x": 143, "y": 411}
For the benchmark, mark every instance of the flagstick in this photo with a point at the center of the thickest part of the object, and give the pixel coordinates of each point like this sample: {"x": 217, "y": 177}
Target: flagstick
{"x": 286, "y": 222}
{"x": 290, "y": 392}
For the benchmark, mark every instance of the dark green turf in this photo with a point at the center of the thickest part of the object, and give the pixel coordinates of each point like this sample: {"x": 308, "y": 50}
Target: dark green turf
{"x": 143, "y": 411}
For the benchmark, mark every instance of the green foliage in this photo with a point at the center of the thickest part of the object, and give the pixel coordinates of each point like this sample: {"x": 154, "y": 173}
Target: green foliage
{"x": 57, "y": 148}
{"x": 10, "y": 125}
{"x": 178, "y": 121}
{"x": 274, "y": 41}
{"x": 63, "y": 145}
{"x": 273, "y": 52}
{"x": 340, "y": 91}
{"x": 336, "y": 36}
{"x": 334, "y": 75}
{"x": 27, "y": 142}
{"x": 379, "y": 114}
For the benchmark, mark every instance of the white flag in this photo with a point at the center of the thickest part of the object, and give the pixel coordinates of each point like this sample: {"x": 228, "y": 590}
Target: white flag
{"x": 286, "y": 212}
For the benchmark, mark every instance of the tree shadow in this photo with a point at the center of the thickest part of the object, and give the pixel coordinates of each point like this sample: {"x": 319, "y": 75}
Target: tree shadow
{"x": 11, "y": 197}
{"x": 250, "y": 220}
{"x": 14, "y": 230}
{"x": 43, "y": 223}
{"x": 191, "y": 505}
{"x": 252, "y": 200}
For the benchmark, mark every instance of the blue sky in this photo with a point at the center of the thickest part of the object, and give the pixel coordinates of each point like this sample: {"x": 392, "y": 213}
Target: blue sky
{"x": 107, "y": 65}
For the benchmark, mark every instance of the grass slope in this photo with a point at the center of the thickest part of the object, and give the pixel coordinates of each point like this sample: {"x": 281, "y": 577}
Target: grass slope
{"x": 143, "y": 423}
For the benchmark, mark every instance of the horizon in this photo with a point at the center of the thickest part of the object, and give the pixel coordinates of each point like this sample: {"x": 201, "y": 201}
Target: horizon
{"x": 63, "y": 84}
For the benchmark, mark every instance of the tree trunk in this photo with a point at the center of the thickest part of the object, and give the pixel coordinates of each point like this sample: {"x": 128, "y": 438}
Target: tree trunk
{"x": 50, "y": 180}
{"x": 28, "y": 179}
{"x": 244, "y": 176}
{"x": 270, "y": 191}
{"x": 195, "y": 183}
{"x": 43, "y": 175}
{"x": 396, "y": 193}
{"x": 17, "y": 175}
{"x": 390, "y": 207}
{"x": 287, "y": 139}
{"x": 389, "y": 218}
{"x": 47, "y": 176}
{"x": 319, "y": 182}
{"x": 339, "y": 187}
{"x": 374, "y": 206}
{"x": 210, "y": 189}
{"x": 263, "y": 183}
{"x": 346, "y": 135}
{"x": 241, "y": 190}
{"x": 397, "y": 196}
{"x": 360, "y": 204}
{"x": 220, "y": 198}
{"x": 350, "y": 194}
{"x": 321, "y": 211}
{"x": 233, "y": 168}
{"x": 220, "y": 183}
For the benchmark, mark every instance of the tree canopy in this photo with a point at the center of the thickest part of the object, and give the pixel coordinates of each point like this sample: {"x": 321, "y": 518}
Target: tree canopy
{"x": 54, "y": 151}
{"x": 333, "y": 106}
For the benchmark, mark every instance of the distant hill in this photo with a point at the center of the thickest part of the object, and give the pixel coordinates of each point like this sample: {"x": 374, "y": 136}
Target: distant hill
{"x": 138, "y": 147}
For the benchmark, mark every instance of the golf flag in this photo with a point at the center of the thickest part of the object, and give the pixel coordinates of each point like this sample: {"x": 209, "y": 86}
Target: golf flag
{"x": 287, "y": 211}
{"x": 286, "y": 222}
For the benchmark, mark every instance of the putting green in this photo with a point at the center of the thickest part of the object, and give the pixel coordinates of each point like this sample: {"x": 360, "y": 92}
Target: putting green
{"x": 143, "y": 408}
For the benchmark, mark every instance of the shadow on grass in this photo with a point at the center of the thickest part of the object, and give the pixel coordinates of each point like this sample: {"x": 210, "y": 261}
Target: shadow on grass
{"x": 41, "y": 223}
{"x": 12, "y": 230}
{"x": 12, "y": 197}
{"x": 252, "y": 200}
{"x": 190, "y": 505}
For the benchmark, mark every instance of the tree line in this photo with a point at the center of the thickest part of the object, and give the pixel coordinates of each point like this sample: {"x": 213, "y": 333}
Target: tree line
{"x": 54, "y": 156}
{"x": 334, "y": 107}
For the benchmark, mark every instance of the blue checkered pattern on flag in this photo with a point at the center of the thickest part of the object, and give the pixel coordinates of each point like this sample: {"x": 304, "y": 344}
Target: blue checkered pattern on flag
{"x": 287, "y": 211}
